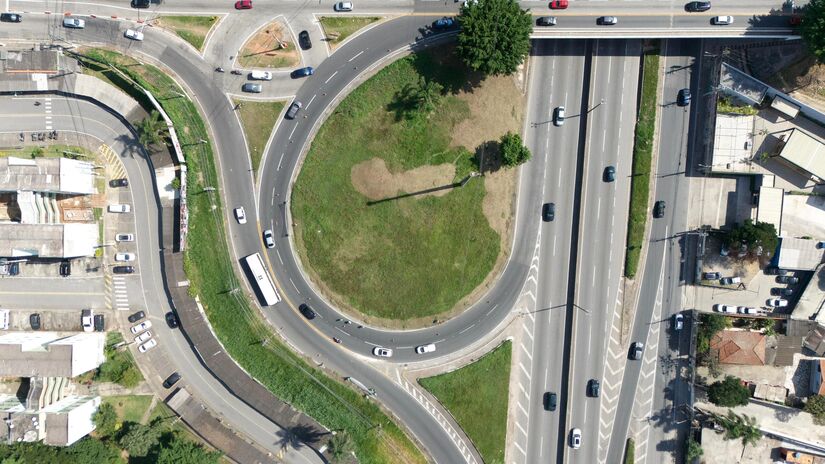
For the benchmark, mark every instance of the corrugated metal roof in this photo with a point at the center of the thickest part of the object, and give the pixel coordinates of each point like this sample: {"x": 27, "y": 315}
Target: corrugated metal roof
{"x": 806, "y": 152}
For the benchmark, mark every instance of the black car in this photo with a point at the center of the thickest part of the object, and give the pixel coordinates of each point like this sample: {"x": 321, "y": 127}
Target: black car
{"x": 10, "y": 18}
{"x": 637, "y": 349}
{"x": 550, "y": 400}
{"x": 34, "y": 320}
{"x": 711, "y": 276}
{"x": 697, "y": 6}
{"x": 172, "y": 320}
{"x": 99, "y": 323}
{"x": 593, "y": 388}
{"x": 65, "y": 268}
{"x": 14, "y": 269}
{"x": 136, "y": 316}
{"x": 171, "y": 380}
{"x": 773, "y": 271}
{"x": 548, "y": 212}
{"x": 293, "y": 110}
{"x": 546, "y": 21}
{"x": 252, "y": 88}
{"x": 304, "y": 40}
{"x": 659, "y": 209}
{"x": 119, "y": 183}
{"x": 609, "y": 174}
{"x": 787, "y": 280}
{"x": 781, "y": 291}
{"x": 683, "y": 98}
{"x": 140, "y": 3}
{"x": 307, "y": 311}
{"x": 123, "y": 269}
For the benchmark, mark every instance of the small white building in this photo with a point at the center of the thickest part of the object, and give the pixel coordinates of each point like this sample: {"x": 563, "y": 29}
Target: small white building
{"x": 50, "y": 354}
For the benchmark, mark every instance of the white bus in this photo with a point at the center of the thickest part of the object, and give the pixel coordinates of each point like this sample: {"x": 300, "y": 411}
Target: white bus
{"x": 263, "y": 283}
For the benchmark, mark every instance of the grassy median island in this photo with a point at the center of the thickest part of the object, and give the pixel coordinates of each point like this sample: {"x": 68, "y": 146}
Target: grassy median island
{"x": 476, "y": 395}
{"x": 338, "y": 28}
{"x": 247, "y": 338}
{"x": 192, "y": 29}
{"x": 642, "y": 158}
{"x": 404, "y": 260}
{"x": 258, "y": 118}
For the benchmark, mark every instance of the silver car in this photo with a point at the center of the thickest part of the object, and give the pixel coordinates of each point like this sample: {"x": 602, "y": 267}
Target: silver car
{"x": 74, "y": 23}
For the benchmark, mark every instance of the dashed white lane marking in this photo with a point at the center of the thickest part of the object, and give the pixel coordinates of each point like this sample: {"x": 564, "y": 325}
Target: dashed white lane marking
{"x": 310, "y": 102}
{"x": 356, "y": 56}
{"x": 330, "y": 77}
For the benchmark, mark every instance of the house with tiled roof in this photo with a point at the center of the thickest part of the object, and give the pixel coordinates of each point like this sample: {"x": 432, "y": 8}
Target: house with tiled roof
{"x": 739, "y": 347}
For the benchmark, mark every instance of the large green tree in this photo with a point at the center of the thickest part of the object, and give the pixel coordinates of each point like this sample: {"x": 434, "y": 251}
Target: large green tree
{"x": 151, "y": 129}
{"x": 743, "y": 427}
{"x": 813, "y": 28}
{"x": 494, "y": 36}
{"x": 754, "y": 234}
{"x": 728, "y": 392}
{"x": 105, "y": 419}
{"x": 513, "y": 151}
{"x": 180, "y": 451}
{"x": 139, "y": 439}
{"x": 815, "y": 406}
{"x": 340, "y": 445}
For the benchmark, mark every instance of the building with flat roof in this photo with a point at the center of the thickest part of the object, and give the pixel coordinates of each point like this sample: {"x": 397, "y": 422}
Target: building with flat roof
{"x": 798, "y": 254}
{"x": 804, "y": 152}
{"x": 771, "y": 200}
{"x": 50, "y": 354}
{"x": 48, "y": 240}
{"x": 53, "y": 175}
{"x": 784, "y": 106}
{"x": 69, "y": 419}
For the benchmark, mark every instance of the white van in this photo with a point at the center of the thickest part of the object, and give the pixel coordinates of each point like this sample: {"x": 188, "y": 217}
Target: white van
{"x": 260, "y": 75}
{"x": 428, "y": 348}
{"x": 119, "y": 208}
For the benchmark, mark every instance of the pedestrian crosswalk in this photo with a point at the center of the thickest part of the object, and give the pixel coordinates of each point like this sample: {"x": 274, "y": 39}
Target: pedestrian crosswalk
{"x": 117, "y": 295}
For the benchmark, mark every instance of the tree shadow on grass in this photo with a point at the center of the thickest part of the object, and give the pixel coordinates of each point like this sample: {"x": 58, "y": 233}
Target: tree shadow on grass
{"x": 443, "y": 65}
{"x": 487, "y": 157}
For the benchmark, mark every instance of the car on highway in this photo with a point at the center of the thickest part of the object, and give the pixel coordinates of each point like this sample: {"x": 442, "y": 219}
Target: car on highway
{"x": 548, "y": 212}
{"x": 65, "y": 268}
{"x": 243, "y": 5}
{"x": 781, "y": 291}
{"x": 443, "y": 23}
{"x": 711, "y": 276}
{"x": 659, "y": 209}
{"x": 683, "y": 97}
{"x": 123, "y": 182}
{"x": 252, "y": 88}
{"x": 609, "y": 174}
{"x": 558, "y": 116}
{"x": 124, "y": 256}
{"x": 120, "y": 208}
{"x": 723, "y": 308}
{"x": 34, "y": 321}
{"x": 125, "y": 238}
{"x": 87, "y": 320}
{"x": 100, "y": 323}
{"x": 302, "y": 72}
{"x": 593, "y": 388}
{"x": 777, "y": 302}
{"x": 260, "y": 76}
{"x": 138, "y": 328}
{"x": 546, "y": 21}
{"x": 10, "y": 18}
{"x": 695, "y": 7}
{"x": 550, "y": 400}
{"x": 558, "y": 4}
{"x": 268, "y": 240}
{"x": 576, "y": 438}
{"x": 293, "y": 110}
{"x": 787, "y": 280}
{"x": 722, "y": 20}
{"x": 343, "y": 6}
{"x": 730, "y": 280}
{"x": 428, "y": 348}
{"x": 123, "y": 269}
{"x": 637, "y": 349}
{"x": 306, "y": 311}
{"x": 143, "y": 337}
{"x": 607, "y": 21}
{"x": 240, "y": 215}
{"x": 140, "y": 3}
{"x": 74, "y": 23}
{"x": 382, "y": 352}
{"x": 746, "y": 310}
{"x": 171, "y": 380}
{"x": 133, "y": 34}
{"x": 148, "y": 345}
{"x": 171, "y": 320}
{"x": 136, "y": 316}
{"x": 304, "y": 41}
{"x": 678, "y": 322}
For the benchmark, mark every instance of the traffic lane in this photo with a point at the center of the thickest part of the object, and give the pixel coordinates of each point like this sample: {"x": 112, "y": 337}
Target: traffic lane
{"x": 673, "y": 22}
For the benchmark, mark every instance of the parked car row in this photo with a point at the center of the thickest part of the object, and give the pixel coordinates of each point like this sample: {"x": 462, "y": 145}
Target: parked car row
{"x": 143, "y": 336}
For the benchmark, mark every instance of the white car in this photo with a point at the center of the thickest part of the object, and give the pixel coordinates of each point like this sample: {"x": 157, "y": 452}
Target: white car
{"x": 240, "y": 215}
{"x": 87, "y": 320}
{"x": 143, "y": 337}
{"x": 136, "y": 329}
{"x": 74, "y": 23}
{"x": 119, "y": 208}
{"x": 125, "y": 237}
{"x": 777, "y": 302}
{"x": 260, "y": 75}
{"x": 746, "y": 310}
{"x": 343, "y": 6}
{"x": 148, "y": 345}
{"x": 382, "y": 352}
{"x": 428, "y": 348}
{"x": 124, "y": 257}
{"x": 722, "y": 308}
{"x": 678, "y": 322}
{"x": 270, "y": 242}
{"x": 576, "y": 438}
{"x": 722, "y": 20}
{"x": 133, "y": 34}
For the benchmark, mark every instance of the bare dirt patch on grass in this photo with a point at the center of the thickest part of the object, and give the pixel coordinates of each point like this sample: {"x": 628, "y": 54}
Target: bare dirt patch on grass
{"x": 263, "y": 49}
{"x": 373, "y": 180}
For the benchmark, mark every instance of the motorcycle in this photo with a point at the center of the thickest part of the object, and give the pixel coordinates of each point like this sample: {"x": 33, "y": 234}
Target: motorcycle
{"x": 336, "y": 339}
{"x": 219, "y": 69}
{"x": 236, "y": 72}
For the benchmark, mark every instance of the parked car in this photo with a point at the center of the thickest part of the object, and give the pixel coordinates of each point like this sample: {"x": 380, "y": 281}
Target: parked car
{"x": 428, "y": 348}
{"x": 304, "y": 41}
{"x": 723, "y": 308}
{"x": 171, "y": 380}
{"x": 260, "y": 75}
{"x": 678, "y": 322}
{"x": 74, "y": 23}
{"x": 775, "y": 271}
{"x": 140, "y": 3}
{"x": 558, "y": 116}
{"x": 65, "y": 268}
{"x": 382, "y": 352}
{"x": 443, "y": 23}
{"x": 243, "y": 5}
{"x": 120, "y": 208}
{"x": 143, "y": 337}
{"x": 136, "y": 316}
{"x": 171, "y": 320}
{"x": 240, "y": 215}
{"x": 777, "y": 303}
{"x": 637, "y": 349}
{"x": 138, "y": 328}
{"x": 730, "y": 280}
{"x": 133, "y": 34}
{"x": 34, "y": 321}
{"x": 14, "y": 269}
{"x": 787, "y": 280}
{"x": 546, "y": 21}
{"x": 593, "y": 388}
{"x": 609, "y": 174}
{"x": 558, "y": 4}
{"x": 123, "y": 269}
{"x": 781, "y": 291}
{"x": 252, "y": 88}
{"x": 659, "y": 209}
{"x": 683, "y": 97}
{"x": 148, "y": 345}
{"x": 124, "y": 256}
{"x": 746, "y": 310}
{"x": 293, "y": 110}
{"x": 548, "y": 212}
{"x": 697, "y": 6}
{"x": 10, "y": 18}
{"x": 119, "y": 182}
{"x": 722, "y": 20}
{"x": 99, "y": 323}
{"x": 343, "y": 6}
{"x": 576, "y": 438}
{"x": 268, "y": 240}
{"x": 550, "y": 400}
{"x": 306, "y": 311}
{"x": 711, "y": 276}
{"x": 607, "y": 21}
{"x": 87, "y": 320}
{"x": 302, "y": 72}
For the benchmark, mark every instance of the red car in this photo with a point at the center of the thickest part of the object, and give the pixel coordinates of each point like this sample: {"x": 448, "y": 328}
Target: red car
{"x": 247, "y": 4}
{"x": 558, "y": 5}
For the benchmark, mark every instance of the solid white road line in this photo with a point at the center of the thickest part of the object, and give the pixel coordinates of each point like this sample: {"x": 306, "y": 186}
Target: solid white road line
{"x": 330, "y": 77}
{"x": 356, "y": 56}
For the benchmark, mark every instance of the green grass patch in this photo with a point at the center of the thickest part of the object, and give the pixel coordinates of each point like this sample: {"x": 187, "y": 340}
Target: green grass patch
{"x": 192, "y": 29}
{"x": 50, "y": 151}
{"x": 119, "y": 366}
{"x": 258, "y": 119}
{"x": 725, "y": 105}
{"x": 400, "y": 259}
{"x": 642, "y": 158}
{"x": 247, "y": 338}
{"x": 477, "y": 395}
{"x": 630, "y": 452}
{"x": 338, "y": 28}
{"x": 129, "y": 408}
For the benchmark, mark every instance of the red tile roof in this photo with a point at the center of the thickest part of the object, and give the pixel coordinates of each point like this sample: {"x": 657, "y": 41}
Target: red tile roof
{"x": 738, "y": 347}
